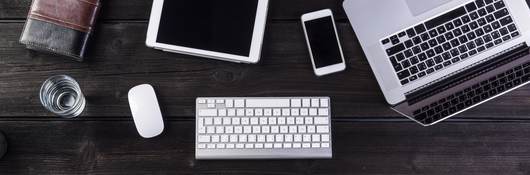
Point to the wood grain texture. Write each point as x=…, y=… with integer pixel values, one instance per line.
x=119, y=60
x=103, y=147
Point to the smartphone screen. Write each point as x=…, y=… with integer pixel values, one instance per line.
x=323, y=42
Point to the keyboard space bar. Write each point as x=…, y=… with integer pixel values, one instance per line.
x=268, y=103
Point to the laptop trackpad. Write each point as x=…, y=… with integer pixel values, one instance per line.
x=418, y=7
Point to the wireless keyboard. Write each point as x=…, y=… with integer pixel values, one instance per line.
x=263, y=128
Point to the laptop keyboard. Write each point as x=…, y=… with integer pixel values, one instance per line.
x=473, y=95
x=449, y=38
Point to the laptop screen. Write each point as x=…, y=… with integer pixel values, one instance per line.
x=212, y=25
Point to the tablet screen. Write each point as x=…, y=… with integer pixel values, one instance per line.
x=213, y=25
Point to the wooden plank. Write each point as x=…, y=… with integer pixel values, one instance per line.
x=56, y=147
x=119, y=60
x=140, y=9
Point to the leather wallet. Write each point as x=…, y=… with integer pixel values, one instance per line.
x=60, y=26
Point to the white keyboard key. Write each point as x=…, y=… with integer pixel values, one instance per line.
x=304, y=112
x=290, y=120
x=261, y=138
x=220, y=146
x=256, y=129
x=308, y=120
x=208, y=112
x=289, y=138
x=258, y=145
x=247, y=129
x=313, y=112
x=204, y=138
x=265, y=129
x=306, y=145
x=220, y=129
x=239, y=103
x=268, y=145
x=254, y=121
x=211, y=101
x=249, y=145
x=296, y=103
x=293, y=129
x=230, y=146
x=323, y=111
x=325, y=145
x=321, y=120
x=233, y=138
x=201, y=101
x=284, y=129
x=268, y=103
x=277, y=112
x=210, y=129
x=325, y=137
x=231, y=112
x=217, y=121
x=219, y=101
x=202, y=130
x=315, y=102
x=208, y=121
x=238, y=129
x=299, y=120
x=275, y=129
x=277, y=145
x=270, y=138
x=267, y=112
x=302, y=129
x=236, y=121
x=298, y=138
x=272, y=120
x=229, y=103
x=324, y=102
x=222, y=112
x=210, y=146
x=240, y=145
x=315, y=138
x=281, y=121
x=249, y=112
x=202, y=146
x=224, y=138
x=211, y=105
x=322, y=129
x=240, y=112
x=242, y=138
x=263, y=120
x=315, y=145
x=287, y=145
x=279, y=138
x=245, y=121
x=286, y=112
x=229, y=129
x=306, y=138
x=227, y=121
x=311, y=129
x=295, y=112
x=251, y=138
x=215, y=138
x=306, y=103
x=297, y=145
x=258, y=112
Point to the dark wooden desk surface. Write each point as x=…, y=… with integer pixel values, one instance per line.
x=369, y=138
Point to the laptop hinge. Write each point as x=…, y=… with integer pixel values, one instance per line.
x=466, y=73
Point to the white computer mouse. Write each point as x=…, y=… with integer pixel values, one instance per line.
x=146, y=111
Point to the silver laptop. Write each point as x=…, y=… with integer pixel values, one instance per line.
x=437, y=58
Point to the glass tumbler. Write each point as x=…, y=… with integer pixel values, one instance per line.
x=62, y=96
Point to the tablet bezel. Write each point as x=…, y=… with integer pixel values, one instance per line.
x=255, y=48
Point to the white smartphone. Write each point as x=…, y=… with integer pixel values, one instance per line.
x=323, y=42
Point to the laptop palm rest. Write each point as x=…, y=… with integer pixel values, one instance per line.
x=468, y=88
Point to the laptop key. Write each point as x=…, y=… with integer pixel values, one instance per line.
x=396, y=49
x=403, y=74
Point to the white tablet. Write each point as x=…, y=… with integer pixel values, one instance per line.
x=228, y=30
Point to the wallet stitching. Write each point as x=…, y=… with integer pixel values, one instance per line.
x=42, y=46
x=63, y=21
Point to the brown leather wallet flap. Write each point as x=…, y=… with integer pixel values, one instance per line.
x=75, y=14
